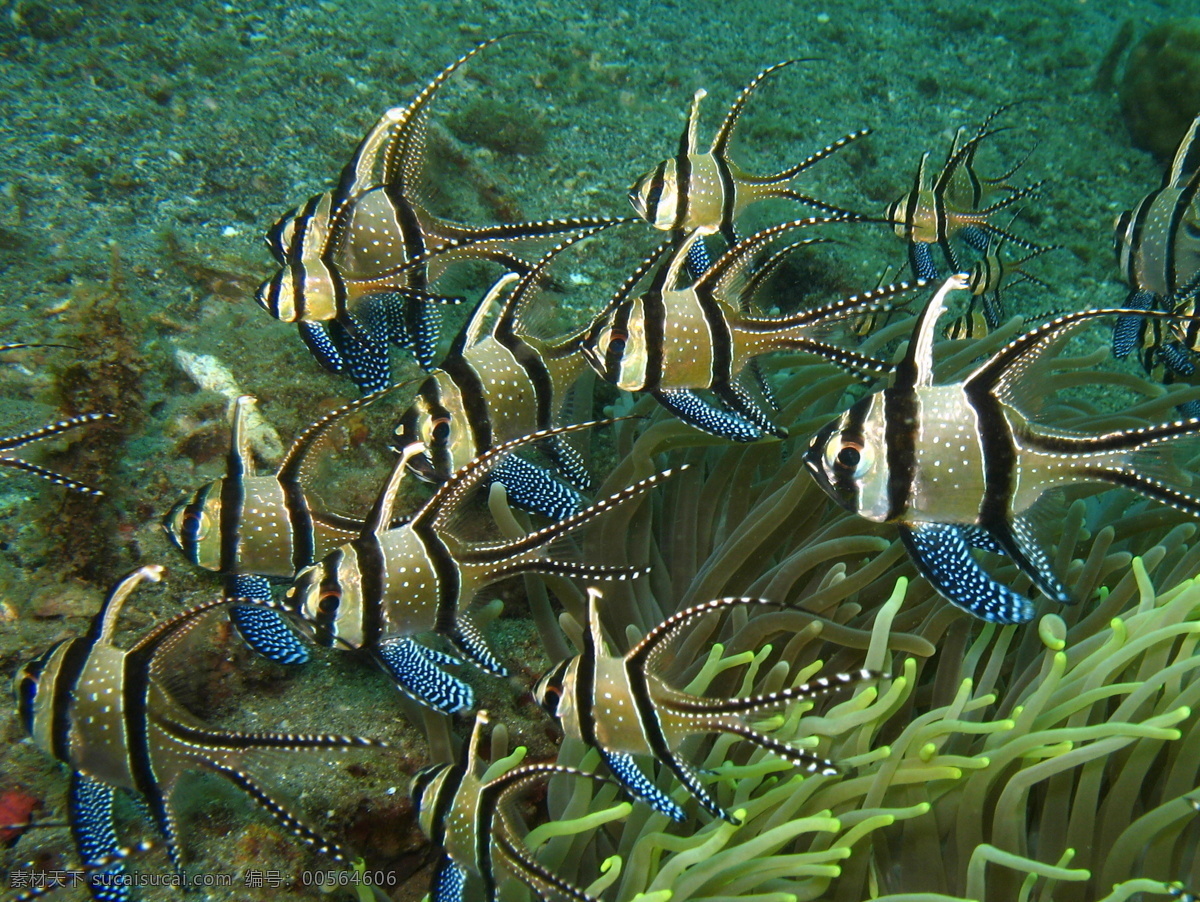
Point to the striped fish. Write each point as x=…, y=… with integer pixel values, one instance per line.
x=621, y=707
x=498, y=384
x=954, y=204
x=357, y=263
x=707, y=192
x=679, y=335
x=464, y=816
x=1158, y=251
x=108, y=715
x=394, y=583
x=252, y=529
x=964, y=465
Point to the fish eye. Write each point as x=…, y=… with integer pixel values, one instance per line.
x=441, y=430
x=849, y=455
x=329, y=601
x=616, y=342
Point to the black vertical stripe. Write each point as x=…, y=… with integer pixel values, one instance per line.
x=728, y=198
x=683, y=190
x=62, y=694
x=720, y=338
x=536, y=372
x=585, y=689
x=449, y=580
x=372, y=566
x=233, y=500
x=300, y=524
x=474, y=400
x=1134, y=251
x=901, y=409
x=999, y=458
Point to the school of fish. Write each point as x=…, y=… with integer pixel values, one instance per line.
x=960, y=467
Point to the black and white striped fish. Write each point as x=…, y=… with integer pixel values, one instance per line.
x=466, y=818
x=392, y=584
x=357, y=264
x=706, y=192
x=1158, y=251
x=963, y=465
x=621, y=707
x=955, y=205
x=252, y=529
x=108, y=715
x=679, y=335
x=500, y=382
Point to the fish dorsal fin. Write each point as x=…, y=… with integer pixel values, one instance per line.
x=599, y=648
x=728, y=271
x=678, y=261
x=240, y=463
x=167, y=635
x=959, y=157
x=483, y=312
x=294, y=467
x=379, y=518
x=627, y=288
x=916, y=369
x=687, y=141
x=652, y=645
x=1004, y=374
x=720, y=145
x=1187, y=158
x=520, y=314
x=375, y=159
x=105, y=621
x=473, y=763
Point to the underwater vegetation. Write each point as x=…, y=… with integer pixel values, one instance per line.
x=769, y=698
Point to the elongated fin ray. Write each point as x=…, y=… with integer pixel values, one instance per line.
x=916, y=369
x=720, y=145
x=481, y=552
x=449, y=496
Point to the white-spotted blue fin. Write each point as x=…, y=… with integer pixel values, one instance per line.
x=638, y=785
x=695, y=411
x=467, y=638
x=449, y=883
x=533, y=488
x=90, y=805
x=415, y=668
x=263, y=629
x=942, y=556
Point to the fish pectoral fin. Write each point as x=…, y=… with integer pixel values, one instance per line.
x=449, y=883
x=941, y=555
x=90, y=805
x=695, y=411
x=415, y=669
x=267, y=631
x=638, y=785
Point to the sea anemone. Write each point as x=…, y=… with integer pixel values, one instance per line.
x=1050, y=759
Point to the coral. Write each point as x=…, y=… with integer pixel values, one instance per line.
x=1160, y=92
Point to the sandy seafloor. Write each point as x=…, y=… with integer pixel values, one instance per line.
x=146, y=146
